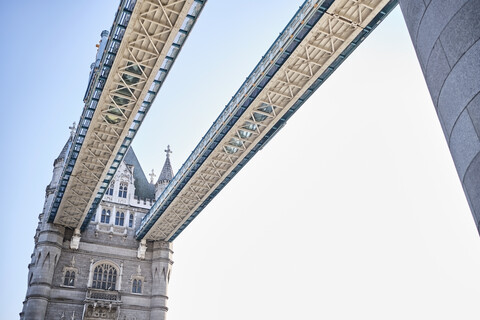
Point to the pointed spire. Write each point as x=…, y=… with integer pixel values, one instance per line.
x=66, y=147
x=72, y=130
x=165, y=176
x=59, y=162
x=168, y=151
x=167, y=172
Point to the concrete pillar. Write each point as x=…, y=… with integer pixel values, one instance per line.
x=46, y=255
x=161, y=269
x=445, y=35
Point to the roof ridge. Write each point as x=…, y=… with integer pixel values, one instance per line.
x=143, y=189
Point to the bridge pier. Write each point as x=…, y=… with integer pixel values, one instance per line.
x=161, y=270
x=41, y=272
x=446, y=36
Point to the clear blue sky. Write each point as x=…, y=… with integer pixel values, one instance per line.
x=354, y=210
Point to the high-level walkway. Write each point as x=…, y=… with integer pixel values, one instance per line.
x=132, y=63
x=135, y=57
x=316, y=41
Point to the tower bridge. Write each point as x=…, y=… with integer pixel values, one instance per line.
x=131, y=65
x=314, y=43
x=122, y=266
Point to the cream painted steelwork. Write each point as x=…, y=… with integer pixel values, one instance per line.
x=149, y=42
x=341, y=23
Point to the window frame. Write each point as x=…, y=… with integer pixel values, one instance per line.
x=131, y=220
x=105, y=276
x=138, y=283
x=110, y=188
x=122, y=190
x=105, y=217
x=67, y=277
x=119, y=218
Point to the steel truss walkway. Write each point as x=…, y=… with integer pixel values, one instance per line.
x=316, y=41
x=144, y=41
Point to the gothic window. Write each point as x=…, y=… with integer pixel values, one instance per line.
x=130, y=221
x=69, y=279
x=94, y=215
x=137, y=286
x=104, y=277
x=122, y=191
x=119, y=218
x=110, y=189
x=69, y=274
x=105, y=218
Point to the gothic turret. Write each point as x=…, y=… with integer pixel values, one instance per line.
x=59, y=162
x=92, y=273
x=165, y=176
x=48, y=248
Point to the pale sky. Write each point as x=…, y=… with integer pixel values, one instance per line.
x=353, y=211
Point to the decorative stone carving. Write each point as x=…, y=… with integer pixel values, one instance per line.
x=164, y=244
x=104, y=312
x=75, y=242
x=142, y=248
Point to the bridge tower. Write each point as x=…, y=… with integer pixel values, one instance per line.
x=102, y=272
x=105, y=261
x=446, y=36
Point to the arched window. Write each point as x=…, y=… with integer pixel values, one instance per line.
x=104, y=277
x=122, y=191
x=110, y=189
x=105, y=218
x=69, y=279
x=137, y=286
x=130, y=221
x=94, y=215
x=119, y=218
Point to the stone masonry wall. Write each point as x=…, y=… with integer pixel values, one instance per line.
x=445, y=35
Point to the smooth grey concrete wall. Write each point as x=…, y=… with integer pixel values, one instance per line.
x=445, y=35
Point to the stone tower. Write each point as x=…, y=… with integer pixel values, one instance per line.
x=445, y=35
x=102, y=272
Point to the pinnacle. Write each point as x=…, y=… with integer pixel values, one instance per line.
x=167, y=172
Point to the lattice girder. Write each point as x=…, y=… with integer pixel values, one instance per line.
x=342, y=22
x=148, y=37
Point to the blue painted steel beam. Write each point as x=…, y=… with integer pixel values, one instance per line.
x=94, y=91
